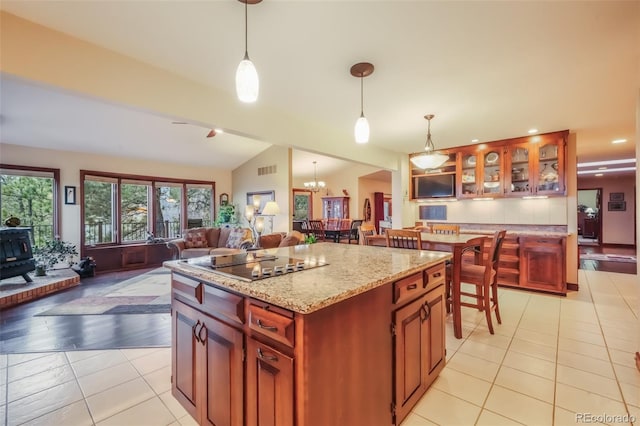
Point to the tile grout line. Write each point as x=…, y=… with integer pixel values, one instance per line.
x=84, y=397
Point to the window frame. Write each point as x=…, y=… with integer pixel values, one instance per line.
x=153, y=181
x=57, y=202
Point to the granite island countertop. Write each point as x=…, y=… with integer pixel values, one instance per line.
x=350, y=270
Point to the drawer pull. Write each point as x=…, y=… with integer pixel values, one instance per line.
x=412, y=286
x=195, y=334
x=437, y=274
x=206, y=332
x=266, y=327
x=261, y=355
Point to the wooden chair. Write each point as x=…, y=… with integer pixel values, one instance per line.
x=404, y=238
x=424, y=228
x=443, y=228
x=364, y=231
x=352, y=232
x=316, y=228
x=484, y=276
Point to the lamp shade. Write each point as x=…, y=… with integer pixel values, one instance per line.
x=271, y=209
x=247, y=82
x=429, y=160
x=361, y=130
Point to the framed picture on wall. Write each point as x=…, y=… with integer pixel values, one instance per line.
x=260, y=198
x=616, y=196
x=69, y=194
x=617, y=206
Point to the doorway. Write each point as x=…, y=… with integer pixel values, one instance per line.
x=590, y=216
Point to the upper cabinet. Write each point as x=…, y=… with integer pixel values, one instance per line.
x=517, y=167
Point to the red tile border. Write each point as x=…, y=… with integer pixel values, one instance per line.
x=31, y=293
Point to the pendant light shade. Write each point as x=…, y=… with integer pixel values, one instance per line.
x=430, y=159
x=361, y=130
x=247, y=81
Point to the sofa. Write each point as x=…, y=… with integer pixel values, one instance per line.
x=197, y=242
x=281, y=239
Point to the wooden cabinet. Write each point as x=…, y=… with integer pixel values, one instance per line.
x=128, y=256
x=419, y=338
x=590, y=228
x=335, y=207
x=536, y=165
x=542, y=264
x=207, y=367
x=516, y=167
x=434, y=183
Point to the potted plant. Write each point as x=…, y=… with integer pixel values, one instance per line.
x=51, y=253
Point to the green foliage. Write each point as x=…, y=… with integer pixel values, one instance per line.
x=53, y=252
x=310, y=239
x=226, y=214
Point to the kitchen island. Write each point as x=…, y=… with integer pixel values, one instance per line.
x=355, y=341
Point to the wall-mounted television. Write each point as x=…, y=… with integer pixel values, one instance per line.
x=434, y=186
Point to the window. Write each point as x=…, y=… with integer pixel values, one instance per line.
x=120, y=209
x=30, y=194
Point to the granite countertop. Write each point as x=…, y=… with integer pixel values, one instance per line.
x=351, y=270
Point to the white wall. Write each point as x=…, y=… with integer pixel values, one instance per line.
x=70, y=164
x=246, y=179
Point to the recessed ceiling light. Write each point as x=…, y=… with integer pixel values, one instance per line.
x=218, y=130
x=532, y=131
x=602, y=168
x=599, y=174
x=618, y=141
x=607, y=163
x=474, y=140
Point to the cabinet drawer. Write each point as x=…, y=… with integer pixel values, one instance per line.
x=408, y=288
x=263, y=320
x=223, y=304
x=434, y=276
x=187, y=289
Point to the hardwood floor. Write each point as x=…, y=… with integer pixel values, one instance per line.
x=605, y=266
x=21, y=330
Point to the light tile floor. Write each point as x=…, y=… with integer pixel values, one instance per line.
x=552, y=358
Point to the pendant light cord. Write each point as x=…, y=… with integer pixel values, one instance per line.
x=361, y=96
x=246, y=31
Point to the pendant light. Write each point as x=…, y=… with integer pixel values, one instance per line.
x=361, y=130
x=430, y=159
x=247, y=82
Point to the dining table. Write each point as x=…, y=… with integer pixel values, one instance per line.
x=456, y=244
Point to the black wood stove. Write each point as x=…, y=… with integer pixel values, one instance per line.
x=16, y=257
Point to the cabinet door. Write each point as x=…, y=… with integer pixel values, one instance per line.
x=185, y=322
x=469, y=177
x=221, y=373
x=518, y=170
x=412, y=356
x=436, y=333
x=542, y=264
x=269, y=386
x=492, y=172
x=550, y=167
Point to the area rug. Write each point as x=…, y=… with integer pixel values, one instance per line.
x=608, y=257
x=148, y=293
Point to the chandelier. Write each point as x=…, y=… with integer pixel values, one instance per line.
x=430, y=159
x=316, y=185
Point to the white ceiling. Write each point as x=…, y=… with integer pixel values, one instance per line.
x=488, y=70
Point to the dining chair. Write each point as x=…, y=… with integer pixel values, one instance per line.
x=483, y=275
x=365, y=230
x=403, y=238
x=442, y=228
x=423, y=228
x=316, y=228
x=351, y=232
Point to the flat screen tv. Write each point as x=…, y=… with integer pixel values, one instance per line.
x=434, y=186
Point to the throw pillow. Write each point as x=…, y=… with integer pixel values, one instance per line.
x=236, y=237
x=195, y=238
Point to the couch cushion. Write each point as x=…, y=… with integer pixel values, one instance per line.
x=195, y=238
x=270, y=240
x=223, y=250
x=194, y=252
x=213, y=237
x=224, y=236
x=237, y=237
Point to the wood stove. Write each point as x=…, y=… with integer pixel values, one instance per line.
x=16, y=257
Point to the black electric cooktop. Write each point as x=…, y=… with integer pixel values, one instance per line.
x=254, y=265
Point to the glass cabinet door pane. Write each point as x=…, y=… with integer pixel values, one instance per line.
x=548, y=166
x=491, y=172
x=468, y=177
x=520, y=169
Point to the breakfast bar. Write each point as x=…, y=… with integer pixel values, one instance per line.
x=307, y=335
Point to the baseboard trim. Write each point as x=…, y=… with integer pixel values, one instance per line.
x=638, y=360
x=573, y=287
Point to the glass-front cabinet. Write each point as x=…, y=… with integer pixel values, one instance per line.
x=536, y=167
x=335, y=207
x=492, y=172
x=469, y=177
x=480, y=173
